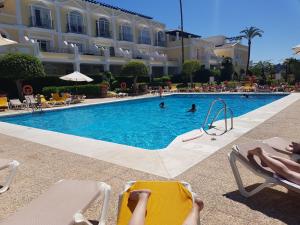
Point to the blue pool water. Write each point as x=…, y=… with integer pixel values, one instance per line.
x=139, y=123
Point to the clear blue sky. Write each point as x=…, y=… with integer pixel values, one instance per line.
x=280, y=19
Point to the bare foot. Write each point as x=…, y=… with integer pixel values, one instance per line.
x=139, y=194
x=294, y=147
x=253, y=152
x=257, y=152
x=199, y=204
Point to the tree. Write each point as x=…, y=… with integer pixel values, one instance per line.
x=135, y=69
x=189, y=69
x=226, y=69
x=19, y=66
x=249, y=33
x=294, y=67
x=263, y=70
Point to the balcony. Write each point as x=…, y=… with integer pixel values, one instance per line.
x=76, y=29
x=145, y=41
x=40, y=23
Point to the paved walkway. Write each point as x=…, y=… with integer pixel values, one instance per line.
x=212, y=178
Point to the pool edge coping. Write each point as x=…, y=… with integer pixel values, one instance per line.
x=164, y=163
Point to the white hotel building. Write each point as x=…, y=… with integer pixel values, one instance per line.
x=92, y=37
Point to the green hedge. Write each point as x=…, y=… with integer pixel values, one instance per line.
x=90, y=90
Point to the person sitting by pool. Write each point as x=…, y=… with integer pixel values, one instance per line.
x=193, y=109
x=139, y=214
x=162, y=105
x=285, y=168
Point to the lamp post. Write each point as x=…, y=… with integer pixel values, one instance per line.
x=182, y=41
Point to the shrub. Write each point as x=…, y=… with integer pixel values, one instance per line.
x=135, y=69
x=90, y=90
x=18, y=67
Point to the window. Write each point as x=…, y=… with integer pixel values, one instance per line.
x=41, y=17
x=126, y=33
x=75, y=23
x=145, y=36
x=103, y=28
x=44, y=45
x=160, y=38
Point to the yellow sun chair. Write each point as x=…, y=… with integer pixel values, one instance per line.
x=3, y=103
x=57, y=99
x=170, y=202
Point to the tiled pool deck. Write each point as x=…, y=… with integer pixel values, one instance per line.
x=212, y=178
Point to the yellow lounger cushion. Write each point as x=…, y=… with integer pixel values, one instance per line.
x=3, y=102
x=169, y=203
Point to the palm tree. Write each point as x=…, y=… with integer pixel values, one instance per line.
x=249, y=33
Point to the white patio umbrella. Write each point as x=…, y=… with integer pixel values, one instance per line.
x=296, y=49
x=76, y=77
x=5, y=41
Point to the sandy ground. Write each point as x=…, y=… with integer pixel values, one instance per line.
x=212, y=178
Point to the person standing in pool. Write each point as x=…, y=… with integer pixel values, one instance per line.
x=193, y=109
x=162, y=105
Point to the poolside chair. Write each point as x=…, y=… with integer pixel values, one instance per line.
x=12, y=166
x=16, y=104
x=3, y=103
x=30, y=101
x=169, y=204
x=239, y=153
x=63, y=204
x=58, y=99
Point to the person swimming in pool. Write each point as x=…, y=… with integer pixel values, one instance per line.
x=193, y=109
x=245, y=95
x=162, y=105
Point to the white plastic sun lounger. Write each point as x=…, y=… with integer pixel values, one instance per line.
x=63, y=204
x=12, y=166
x=239, y=153
x=16, y=104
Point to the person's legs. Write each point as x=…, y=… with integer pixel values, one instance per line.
x=294, y=166
x=276, y=165
x=194, y=216
x=139, y=213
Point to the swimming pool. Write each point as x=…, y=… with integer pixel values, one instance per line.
x=139, y=123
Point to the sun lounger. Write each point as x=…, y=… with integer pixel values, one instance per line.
x=239, y=153
x=12, y=166
x=169, y=203
x=30, y=101
x=3, y=103
x=63, y=204
x=121, y=95
x=16, y=104
x=60, y=100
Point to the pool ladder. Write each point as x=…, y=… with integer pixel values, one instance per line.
x=224, y=109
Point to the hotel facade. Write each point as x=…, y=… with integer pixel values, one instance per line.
x=93, y=37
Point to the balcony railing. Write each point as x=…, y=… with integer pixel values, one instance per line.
x=145, y=41
x=57, y=50
x=127, y=37
x=77, y=29
x=41, y=23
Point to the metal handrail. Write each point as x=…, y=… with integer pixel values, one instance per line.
x=225, y=109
